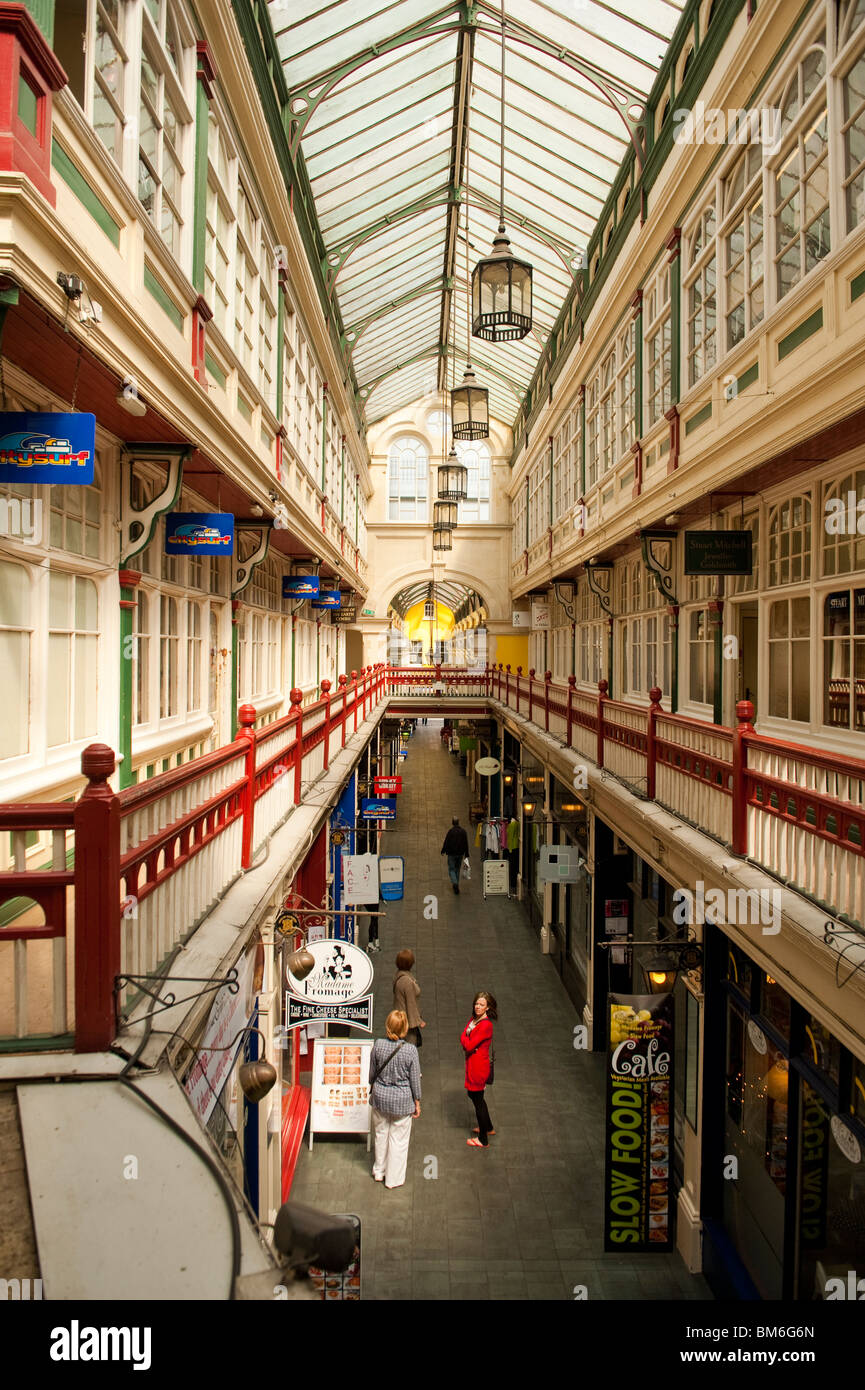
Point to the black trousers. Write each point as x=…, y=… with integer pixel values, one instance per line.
x=485, y=1124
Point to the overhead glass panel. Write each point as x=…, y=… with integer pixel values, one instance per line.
x=380, y=99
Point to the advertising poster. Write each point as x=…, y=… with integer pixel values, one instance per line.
x=378, y=808
x=199, y=533
x=47, y=448
x=359, y=879
x=637, y=1192
x=340, y=1086
x=229, y=1014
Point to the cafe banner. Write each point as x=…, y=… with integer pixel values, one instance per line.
x=637, y=1189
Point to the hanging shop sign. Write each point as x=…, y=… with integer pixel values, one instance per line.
x=637, y=1187
x=718, y=552
x=327, y=598
x=342, y=974
x=359, y=878
x=814, y=1166
x=520, y=618
x=378, y=808
x=540, y=615
x=47, y=448
x=386, y=785
x=468, y=743
x=487, y=767
x=403, y=752
x=346, y=613
x=229, y=1013
x=392, y=871
x=357, y=1014
x=846, y=1139
x=299, y=585
x=199, y=533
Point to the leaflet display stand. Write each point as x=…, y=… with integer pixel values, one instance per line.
x=496, y=881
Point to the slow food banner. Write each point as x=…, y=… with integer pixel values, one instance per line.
x=637, y=1188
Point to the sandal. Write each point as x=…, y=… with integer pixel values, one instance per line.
x=477, y=1131
x=476, y=1144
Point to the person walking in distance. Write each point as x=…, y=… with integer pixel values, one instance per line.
x=456, y=847
x=476, y=1041
x=394, y=1072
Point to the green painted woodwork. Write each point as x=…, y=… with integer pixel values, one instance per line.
x=638, y=370
x=155, y=288
x=43, y=1042
x=43, y=13
x=280, y=353
x=28, y=106
x=215, y=370
x=244, y=407
x=695, y=421
x=749, y=375
x=675, y=329
x=74, y=179
x=124, y=735
x=199, y=211
x=583, y=445
x=342, y=489
x=857, y=286
x=800, y=334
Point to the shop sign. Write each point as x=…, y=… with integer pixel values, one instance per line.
x=468, y=744
x=229, y=1014
x=342, y=974
x=358, y=1014
x=47, y=447
x=359, y=879
x=520, y=618
x=346, y=613
x=540, y=615
x=815, y=1170
x=846, y=1140
x=378, y=808
x=339, y=1090
x=199, y=533
x=637, y=1186
x=386, y=784
x=403, y=752
x=299, y=585
x=327, y=598
x=718, y=552
x=392, y=877
x=757, y=1037
x=487, y=767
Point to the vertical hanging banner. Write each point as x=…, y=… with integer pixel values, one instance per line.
x=359, y=879
x=637, y=1193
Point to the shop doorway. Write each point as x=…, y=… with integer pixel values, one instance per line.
x=746, y=677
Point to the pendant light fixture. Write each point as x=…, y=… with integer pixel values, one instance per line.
x=470, y=403
x=442, y=537
x=501, y=283
x=453, y=476
x=445, y=514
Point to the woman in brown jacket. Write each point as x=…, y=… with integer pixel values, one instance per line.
x=406, y=993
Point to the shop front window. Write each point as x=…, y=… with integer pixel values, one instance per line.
x=844, y=659
x=831, y=1203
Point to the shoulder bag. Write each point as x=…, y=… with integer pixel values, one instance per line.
x=385, y=1065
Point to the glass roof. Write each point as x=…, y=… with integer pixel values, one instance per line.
x=381, y=98
x=450, y=592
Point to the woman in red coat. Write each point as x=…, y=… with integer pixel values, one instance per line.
x=476, y=1040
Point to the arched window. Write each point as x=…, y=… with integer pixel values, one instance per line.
x=800, y=178
x=408, y=480
x=844, y=530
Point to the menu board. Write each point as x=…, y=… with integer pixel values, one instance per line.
x=638, y=1195
x=345, y=1286
x=340, y=1086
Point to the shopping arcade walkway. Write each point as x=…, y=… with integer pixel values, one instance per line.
x=524, y=1219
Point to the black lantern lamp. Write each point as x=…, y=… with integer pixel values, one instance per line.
x=445, y=514
x=528, y=805
x=662, y=968
x=453, y=479
x=442, y=537
x=501, y=282
x=470, y=408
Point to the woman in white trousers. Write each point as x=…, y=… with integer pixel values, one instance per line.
x=395, y=1096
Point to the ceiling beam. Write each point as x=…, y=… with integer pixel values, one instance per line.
x=459, y=146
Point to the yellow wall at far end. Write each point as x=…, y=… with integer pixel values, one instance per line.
x=511, y=649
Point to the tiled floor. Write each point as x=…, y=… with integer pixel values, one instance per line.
x=522, y=1220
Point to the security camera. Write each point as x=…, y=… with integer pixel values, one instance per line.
x=311, y=1237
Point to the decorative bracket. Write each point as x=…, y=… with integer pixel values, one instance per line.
x=600, y=577
x=169, y=1002
x=241, y=570
x=138, y=525
x=566, y=594
x=658, y=558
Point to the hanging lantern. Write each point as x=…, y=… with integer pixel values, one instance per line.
x=470, y=409
x=445, y=514
x=501, y=294
x=442, y=537
x=501, y=283
x=453, y=479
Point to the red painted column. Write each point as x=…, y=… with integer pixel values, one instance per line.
x=354, y=689
x=343, y=687
x=572, y=680
x=508, y=685
x=325, y=690
x=651, y=748
x=246, y=732
x=97, y=902
x=602, y=695
x=201, y=316
x=548, y=676
x=296, y=713
x=531, y=689
x=745, y=716
x=26, y=61
x=519, y=674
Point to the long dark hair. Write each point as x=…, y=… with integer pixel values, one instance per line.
x=492, y=1006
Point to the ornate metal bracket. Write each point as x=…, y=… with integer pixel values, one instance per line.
x=138, y=525
x=242, y=570
x=566, y=593
x=600, y=577
x=854, y=936
x=170, y=1001
x=657, y=549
